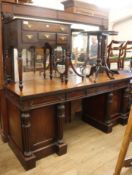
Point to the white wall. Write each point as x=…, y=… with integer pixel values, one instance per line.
x=121, y=20
x=124, y=28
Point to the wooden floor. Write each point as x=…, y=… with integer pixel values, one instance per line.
x=90, y=152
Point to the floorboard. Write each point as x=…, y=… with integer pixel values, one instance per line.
x=90, y=152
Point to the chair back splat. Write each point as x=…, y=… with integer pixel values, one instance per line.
x=127, y=54
x=115, y=53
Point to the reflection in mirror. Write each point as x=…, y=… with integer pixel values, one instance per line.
x=46, y=61
x=82, y=55
x=92, y=49
x=60, y=57
x=39, y=52
x=79, y=48
x=33, y=59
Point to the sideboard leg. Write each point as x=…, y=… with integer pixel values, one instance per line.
x=29, y=157
x=61, y=146
x=124, y=107
x=108, y=112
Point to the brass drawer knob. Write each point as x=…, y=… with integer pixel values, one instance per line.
x=47, y=25
x=63, y=38
x=62, y=28
x=29, y=36
x=29, y=26
x=47, y=36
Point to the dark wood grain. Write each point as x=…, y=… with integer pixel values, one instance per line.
x=1, y=52
x=3, y=116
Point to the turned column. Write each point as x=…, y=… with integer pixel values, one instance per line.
x=108, y=112
x=124, y=106
x=67, y=66
x=26, y=127
x=61, y=146
x=20, y=64
x=29, y=159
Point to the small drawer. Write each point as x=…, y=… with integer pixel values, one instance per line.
x=63, y=28
x=62, y=38
x=47, y=100
x=29, y=37
x=76, y=94
x=39, y=26
x=91, y=91
x=47, y=36
x=28, y=25
x=103, y=88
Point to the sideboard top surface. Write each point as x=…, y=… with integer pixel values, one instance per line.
x=37, y=86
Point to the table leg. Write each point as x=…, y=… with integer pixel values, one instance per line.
x=20, y=69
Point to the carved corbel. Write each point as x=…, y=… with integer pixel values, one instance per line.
x=7, y=17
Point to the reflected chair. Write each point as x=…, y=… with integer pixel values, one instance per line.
x=127, y=54
x=115, y=53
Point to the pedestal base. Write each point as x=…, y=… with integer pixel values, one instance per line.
x=99, y=68
x=107, y=128
x=61, y=149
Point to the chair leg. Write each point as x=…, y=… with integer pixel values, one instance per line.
x=118, y=65
x=108, y=63
x=122, y=64
x=124, y=147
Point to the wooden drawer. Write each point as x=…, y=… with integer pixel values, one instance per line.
x=47, y=100
x=29, y=37
x=44, y=26
x=62, y=38
x=63, y=28
x=76, y=94
x=47, y=36
x=39, y=26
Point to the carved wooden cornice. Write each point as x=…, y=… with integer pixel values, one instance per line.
x=77, y=6
x=45, y=13
x=24, y=1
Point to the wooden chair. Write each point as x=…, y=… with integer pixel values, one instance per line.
x=115, y=53
x=127, y=54
x=122, y=162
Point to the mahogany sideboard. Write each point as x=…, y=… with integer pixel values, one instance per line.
x=35, y=116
